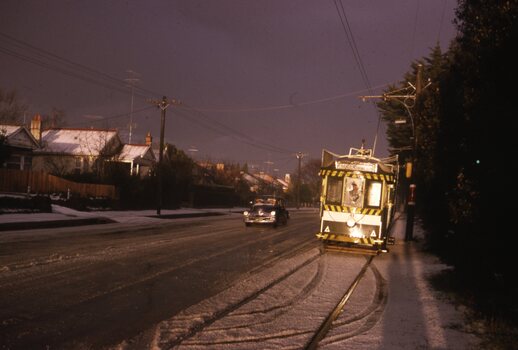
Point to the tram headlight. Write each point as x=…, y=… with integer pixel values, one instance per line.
x=356, y=232
x=350, y=223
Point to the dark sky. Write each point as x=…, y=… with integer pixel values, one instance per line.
x=258, y=80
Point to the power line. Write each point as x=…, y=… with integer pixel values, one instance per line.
x=352, y=43
x=412, y=43
x=230, y=109
x=356, y=53
x=206, y=122
x=117, y=116
x=441, y=21
x=43, y=58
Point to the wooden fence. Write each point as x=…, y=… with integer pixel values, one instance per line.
x=25, y=181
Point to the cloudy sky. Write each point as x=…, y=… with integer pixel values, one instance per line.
x=258, y=81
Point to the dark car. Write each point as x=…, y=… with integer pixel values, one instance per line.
x=268, y=210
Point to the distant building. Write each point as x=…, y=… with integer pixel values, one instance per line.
x=263, y=183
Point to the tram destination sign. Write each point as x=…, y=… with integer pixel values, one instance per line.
x=356, y=166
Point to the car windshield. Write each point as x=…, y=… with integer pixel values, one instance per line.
x=265, y=208
x=270, y=201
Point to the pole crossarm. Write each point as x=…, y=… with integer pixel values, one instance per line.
x=386, y=97
x=164, y=102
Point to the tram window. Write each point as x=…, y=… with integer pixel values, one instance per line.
x=374, y=194
x=334, y=190
x=354, y=192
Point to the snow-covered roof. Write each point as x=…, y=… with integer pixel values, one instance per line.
x=9, y=129
x=282, y=182
x=250, y=179
x=18, y=136
x=77, y=141
x=132, y=152
x=265, y=177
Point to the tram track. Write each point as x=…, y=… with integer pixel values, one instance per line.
x=208, y=320
x=328, y=323
x=347, y=327
x=231, y=327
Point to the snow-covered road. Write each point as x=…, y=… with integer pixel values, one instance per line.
x=279, y=305
x=393, y=307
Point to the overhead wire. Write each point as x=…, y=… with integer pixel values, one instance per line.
x=357, y=57
x=113, y=117
x=441, y=22
x=195, y=116
x=43, y=58
x=412, y=42
x=352, y=43
x=286, y=106
x=29, y=53
x=48, y=60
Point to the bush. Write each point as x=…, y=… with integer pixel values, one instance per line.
x=29, y=204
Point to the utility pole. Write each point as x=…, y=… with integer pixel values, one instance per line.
x=162, y=104
x=410, y=209
x=404, y=98
x=299, y=157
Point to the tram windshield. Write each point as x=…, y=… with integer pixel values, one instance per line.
x=334, y=190
x=374, y=194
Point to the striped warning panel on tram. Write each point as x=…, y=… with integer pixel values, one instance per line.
x=369, y=176
x=341, y=209
x=338, y=173
x=343, y=238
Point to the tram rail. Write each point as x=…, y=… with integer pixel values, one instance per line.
x=338, y=309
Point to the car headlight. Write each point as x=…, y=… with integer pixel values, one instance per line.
x=273, y=213
x=246, y=213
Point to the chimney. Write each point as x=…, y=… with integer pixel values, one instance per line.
x=36, y=127
x=149, y=139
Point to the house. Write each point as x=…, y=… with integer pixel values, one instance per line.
x=61, y=151
x=139, y=157
x=19, y=145
x=70, y=150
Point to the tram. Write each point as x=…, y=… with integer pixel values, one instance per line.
x=357, y=201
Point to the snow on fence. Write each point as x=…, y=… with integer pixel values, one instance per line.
x=27, y=181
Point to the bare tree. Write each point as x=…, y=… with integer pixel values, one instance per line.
x=55, y=119
x=11, y=109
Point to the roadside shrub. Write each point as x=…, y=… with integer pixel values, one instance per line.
x=29, y=204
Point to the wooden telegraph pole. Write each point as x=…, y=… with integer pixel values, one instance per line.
x=162, y=104
x=300, y=155
x=403, y=98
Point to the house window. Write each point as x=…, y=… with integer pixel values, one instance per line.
x=86, y=165
x=14, y=162
x=79, y=165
